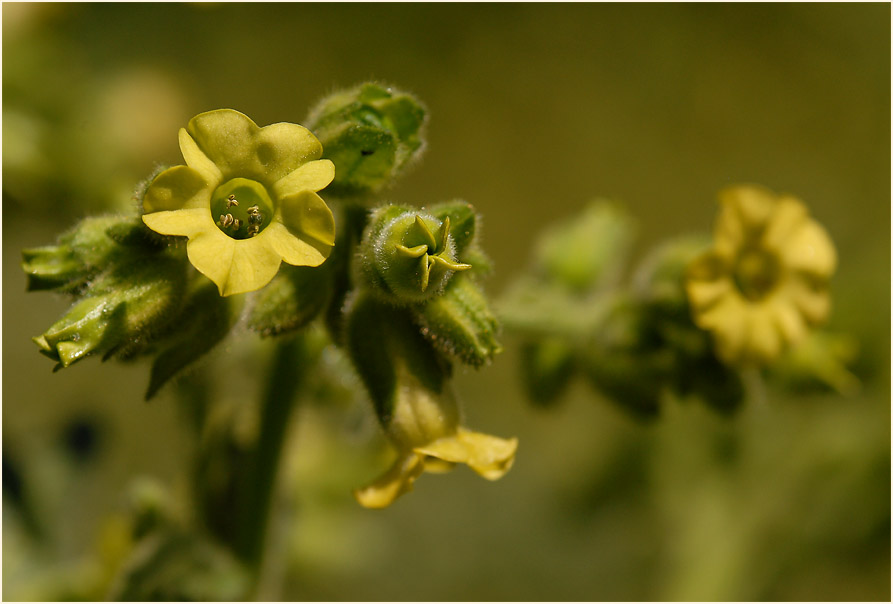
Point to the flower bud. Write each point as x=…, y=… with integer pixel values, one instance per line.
x=587, y=251
x=460, y=323
x=295, y=296
x=407, y=381
x=81, y=253
x=406, y=255
x=370, y=133
x=124, y=308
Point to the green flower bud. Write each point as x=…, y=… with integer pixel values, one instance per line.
x=295, y=296
x=125, y=308
x=464, y=222
x=459, y=323
x=380, y=337
x=587, y=251
x=82, y=252
x=370, y=133
x=547, y=366
x=407, y=381
x=407, y=255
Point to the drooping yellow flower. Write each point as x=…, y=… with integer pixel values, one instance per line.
x=766, y=279
x=424, y=426
x=246, y=199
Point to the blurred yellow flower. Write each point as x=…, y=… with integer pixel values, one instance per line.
x=425, y=429
x=246, y=199
x=766, y=278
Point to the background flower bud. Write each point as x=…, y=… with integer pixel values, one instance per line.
x=588, y=251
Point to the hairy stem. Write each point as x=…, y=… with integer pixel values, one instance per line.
x=286, y=372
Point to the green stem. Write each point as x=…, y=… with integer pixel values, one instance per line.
x=277, y=406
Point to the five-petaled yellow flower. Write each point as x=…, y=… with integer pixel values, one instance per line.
x=766, y=278
x=424, y=427
x=246, y=199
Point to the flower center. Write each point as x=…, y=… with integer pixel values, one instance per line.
x=242, y=208
x=756, y=273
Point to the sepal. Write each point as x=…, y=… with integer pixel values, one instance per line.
x=460, y=323
x=295, y=296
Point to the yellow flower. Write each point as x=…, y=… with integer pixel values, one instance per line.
x=246, y=199
x=766, y=278
x=424, y=426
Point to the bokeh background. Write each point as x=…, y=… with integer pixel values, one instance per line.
x=534, y=110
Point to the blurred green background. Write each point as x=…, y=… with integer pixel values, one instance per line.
x=534, y=110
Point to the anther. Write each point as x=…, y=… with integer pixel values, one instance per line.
x=231, y=201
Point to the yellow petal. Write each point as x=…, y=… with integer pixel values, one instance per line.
x=811, y=299
x=292, y=249
x=392, y=484
x=789, y=215
x=312, y=176
x=240, y=149
x=308, y=216
x=491, y=457
x=184, y=223
x=177, y=188
x=234, y=266
x=752, y=204
x=788, y=319
x=763, y=341
x=810, y=250
x=197, y=160
x=704, y=294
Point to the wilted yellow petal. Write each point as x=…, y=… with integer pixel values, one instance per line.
x=490, y=457
x=396, y=481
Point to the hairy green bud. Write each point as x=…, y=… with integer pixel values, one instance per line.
x=407, y=255
x=124, y=308
x=387, y=348
x=459, y=323
x=295, y=296
x=371, y=133
x=83, y=252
